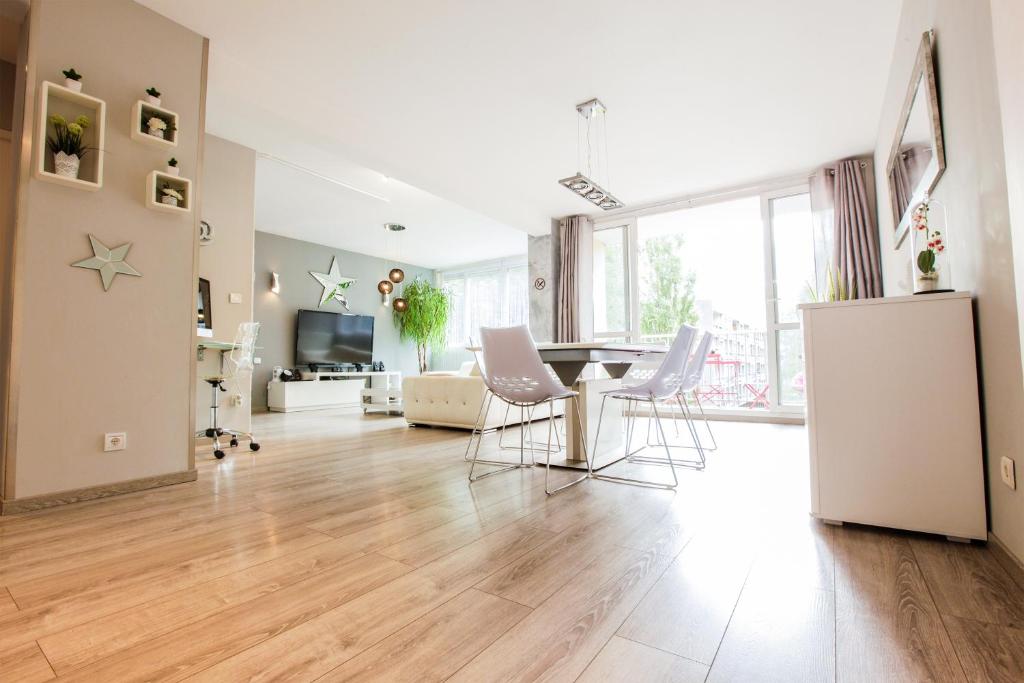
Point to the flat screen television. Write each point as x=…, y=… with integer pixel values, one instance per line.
x=325, y=338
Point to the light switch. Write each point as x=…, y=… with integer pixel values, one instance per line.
x=234, y=298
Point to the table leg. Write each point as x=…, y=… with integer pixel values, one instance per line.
x=610, y=449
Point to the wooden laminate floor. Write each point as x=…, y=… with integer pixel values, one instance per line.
x=353, y=548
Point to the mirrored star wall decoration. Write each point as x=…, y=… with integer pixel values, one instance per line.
x=109, y=262
x=334, y=284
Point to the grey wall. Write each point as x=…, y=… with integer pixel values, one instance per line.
x=542, y=254
x=228, y=200
x=125, y=354
x=293, y=260
x=974, y=192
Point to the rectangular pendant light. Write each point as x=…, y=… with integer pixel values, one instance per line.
x=585, y=187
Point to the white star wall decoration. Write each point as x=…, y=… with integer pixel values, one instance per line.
x=109, y=262
x=334, y=284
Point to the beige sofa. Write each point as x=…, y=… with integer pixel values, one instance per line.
x=452, y=399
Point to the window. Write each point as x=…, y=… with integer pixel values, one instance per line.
x=738, y=268
x=485, y=295
x=611, y=292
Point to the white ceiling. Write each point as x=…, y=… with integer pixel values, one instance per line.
x=473, y=102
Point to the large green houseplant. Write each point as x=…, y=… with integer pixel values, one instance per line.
x=425, y=319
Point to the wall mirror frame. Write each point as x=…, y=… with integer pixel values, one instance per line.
x=917, y=158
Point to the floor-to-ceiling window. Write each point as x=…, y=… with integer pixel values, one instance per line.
x=492, y=294
x=736, y=268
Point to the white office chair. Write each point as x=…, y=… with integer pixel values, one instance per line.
x=514, y=372
x=663, y=385
x=238, y=364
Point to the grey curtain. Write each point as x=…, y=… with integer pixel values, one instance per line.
x=568, y=313
x=842, y=199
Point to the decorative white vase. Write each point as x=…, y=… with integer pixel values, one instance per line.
x=170, y=201
x=156, y=132
x=155, y=101
x=72, y=84
x=172, y=170
x=66, y=165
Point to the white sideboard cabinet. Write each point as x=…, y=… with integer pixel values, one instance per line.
x=892, y=414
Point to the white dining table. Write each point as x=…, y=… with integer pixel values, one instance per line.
x=569, y=360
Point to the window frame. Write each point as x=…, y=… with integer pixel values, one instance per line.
x=766, y=192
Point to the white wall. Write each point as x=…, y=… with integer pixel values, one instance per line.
x=1007, y=28
x=974, y=191
x=229, y=187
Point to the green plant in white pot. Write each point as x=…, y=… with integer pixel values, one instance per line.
x=67, y=144
x=424, y=319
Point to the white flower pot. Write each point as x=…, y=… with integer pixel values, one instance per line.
x=155, y=101
x=66, y=165
x=172, y=170
x=72, y=84
x=156, y=132
x=928, y=282
x=170, y=201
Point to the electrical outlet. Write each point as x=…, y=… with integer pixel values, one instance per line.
x=234, y=298
x=257, y=360
x=237, y=399
x=1007, y=470
x=115, y=441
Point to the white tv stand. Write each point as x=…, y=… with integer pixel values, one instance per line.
x=371, y=391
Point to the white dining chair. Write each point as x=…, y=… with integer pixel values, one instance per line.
x=691, y=380
x=664, y=384
x=514, y=372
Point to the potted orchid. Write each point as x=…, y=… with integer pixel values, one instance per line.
x=72, y=79
x=170, y=196
x=932, y=246
x=172, y=166
x=153, y=96
x=67, y=144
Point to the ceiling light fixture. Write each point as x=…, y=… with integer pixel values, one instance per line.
x=595, y=114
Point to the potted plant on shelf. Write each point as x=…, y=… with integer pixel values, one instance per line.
x=424, y=318
x=153, y=95
x=172, y=166
x=72, y=79
x=158, y=126
x=66, y=144
x=932, y=246
x=170, y=196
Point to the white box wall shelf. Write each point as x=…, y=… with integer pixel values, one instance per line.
x=56, y=99
x=155, y=182
x=141, y=112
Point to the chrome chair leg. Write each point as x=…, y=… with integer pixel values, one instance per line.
x=547, y=469
x=477, y=426
x=707, y=423
x=675, y=462
x=632, y=480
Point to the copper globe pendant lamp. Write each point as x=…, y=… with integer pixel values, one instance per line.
x=396, y=276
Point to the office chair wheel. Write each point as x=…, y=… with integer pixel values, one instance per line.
x=254, y=446
x=219, y=454
x=234, y=442
x=210, y=433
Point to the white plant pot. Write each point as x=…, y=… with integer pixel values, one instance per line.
x=156, y=132
x=172, y=170
x=928, y=283
x=155, y=101
x=72, y=84
x=66, y=165
x=169, y=201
